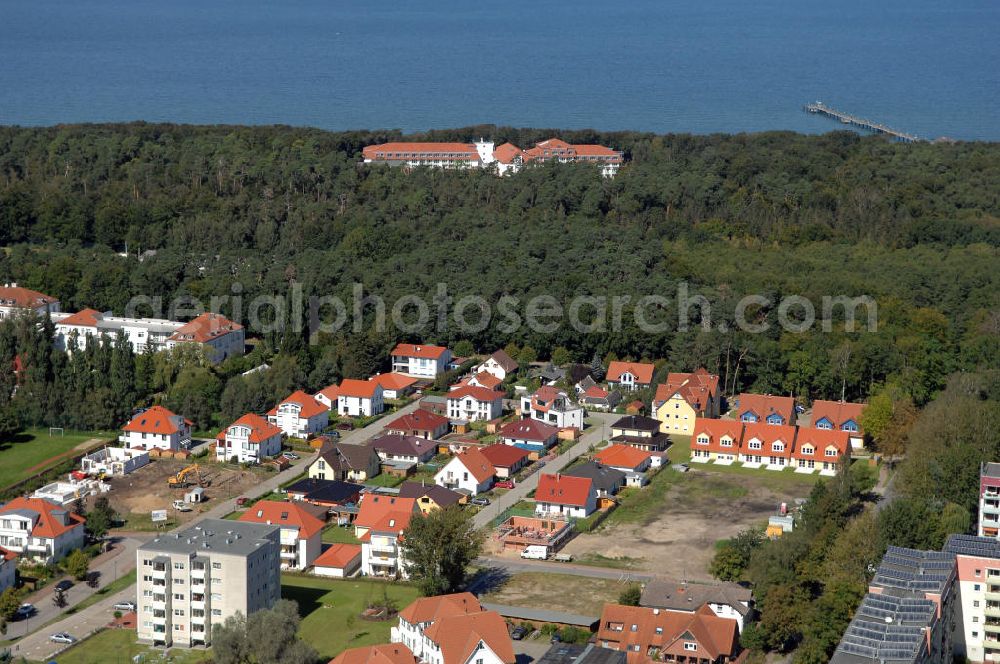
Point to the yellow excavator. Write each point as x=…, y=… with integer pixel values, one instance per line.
x=181, y=481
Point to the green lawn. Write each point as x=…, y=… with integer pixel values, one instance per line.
x=25, y=450
x=337, y=535
x=118, y=646
x=680, y=452
x=331, y=609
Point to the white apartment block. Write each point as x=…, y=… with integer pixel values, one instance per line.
x=188, y=581
x=15, y=299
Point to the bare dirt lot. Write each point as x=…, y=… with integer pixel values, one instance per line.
x=146, y=489
x=556, y=592
x=675, y=532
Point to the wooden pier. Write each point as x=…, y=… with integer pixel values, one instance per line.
x=876, y=127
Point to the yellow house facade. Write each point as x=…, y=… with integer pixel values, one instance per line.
x=684, y=398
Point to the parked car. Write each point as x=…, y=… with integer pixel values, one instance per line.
x=504, y=484
x=518, y=633
x=62, y=637
x=241, y=501
x=479, y=500
x=556, y=638
x=26, y=610
x=291, y=455
x=124, y=606
x=64, y=585
x=535, y=552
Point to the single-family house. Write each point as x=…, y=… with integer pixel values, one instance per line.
x=605, y=481
x=301, y=529
x=157, y=427
x=325, y=493
x=299, y=415
x=411, y=449
x=342, y=461
x=420, y=423
x=481, y=379
x=39, y=529
x=470, y=404
x=766, y=408
x=640, y=432
x=769, y=445
x=424, y=612
x=469, y=472
x=430, y=497
x=596, y=397
x=341, y=561
x=716, y=440
x=359, y=398
x=395, y=385
x=561, y=494
x=552, y=406
x=842, y=416
x=499, y=364
x=250, y=439
x=382, y=653
x=624, y=458
x=630, y=375
x=506, y=460
x=379, y=525
x=420, y=360
x=684, y=398
x=328, y=396
x=726, y=600
x=474, y=638
x=671, y=636
x=820, y=449
x=529, y=434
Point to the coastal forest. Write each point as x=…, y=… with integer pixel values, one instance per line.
x=97, y=214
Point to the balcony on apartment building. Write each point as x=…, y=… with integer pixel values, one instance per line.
x=992, y=592
x=992, y=625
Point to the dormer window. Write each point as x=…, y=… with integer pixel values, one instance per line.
x=703, y=440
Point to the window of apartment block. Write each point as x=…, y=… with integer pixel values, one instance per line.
x=216, y=565
x=216, y=612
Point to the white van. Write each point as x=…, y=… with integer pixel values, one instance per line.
x=535, y=552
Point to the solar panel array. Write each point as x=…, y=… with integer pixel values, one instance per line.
x=970, y=545
x=915, y=571
x=870, y=636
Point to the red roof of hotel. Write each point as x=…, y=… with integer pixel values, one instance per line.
x=383, y=653
x=695, y=388
x=338, y=555
x=393, y=381
x=418, y=420
x=477, y=393
x=156, y=420
x=260, y=428
x=474, y=461
x=821, y=439
x=528, y=429
x=765, y=404
x=622, y=456
x=286, y=514
x=503, y=456
x=590, y=150
x=506, y=153
x=385, y=513
x=642, y=371
x=16, y=296
x=563, y=490
x=204, y=328
x=458, y=637
x=429, y=609
x=768, y=434
x=837, y=412
x=371, y=151
x=84, y=318
x=418, y=350
x=310, y=407
x=47, y=524
x=716, y=430
x=362, y=389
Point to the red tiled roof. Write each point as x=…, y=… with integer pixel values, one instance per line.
x=204, y=328
x=459, y=636
x=563, y=490
x=695, y=388
x=7, y=555
x=503, y=456
x=642, y=371
x=17, y=296
x=715, y=431
x=763, y=405
x=590, y=150
x=383, y=653
x=418, y=420
x=288, y=514
x=393, y=381
x=48, y=525
x=622, y=456
x=474, y=461
x=596, y=392
x=821, y=439
x=487, y=380
x=385, y=513
x=338, y=555
x=528, y=429
x=309, y=406
x=156, y=420
x=418, y=350
x=331, y=392
x=667, y=631
x=506, y=153
x=768, y=434
x=362, y=389
x=438, y=150
x=84, y=318
x=260, y=428
x=429, y=609
x=477, y=393
x=838, y=412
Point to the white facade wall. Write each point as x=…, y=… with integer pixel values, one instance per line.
x=545, y=509
x=455, y=475
x=15, y=536
x=172, y=441
x=361, y=406
x=491, y=366
x=470, y=409
x=287, y=419
x=237, y=443
x=421, y=367
x=383, y=556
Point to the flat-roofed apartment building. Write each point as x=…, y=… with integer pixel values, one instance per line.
x=977, y=616
x=989, y=500
x=188, y=581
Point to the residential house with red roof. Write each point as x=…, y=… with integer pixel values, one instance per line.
x=559, y=494
x=630, y=375
x=301, y=529
x=157, y=427
x=716, y=440
x=474, y=404
x=382, y=653
x=299, y=415
x=506, y=460
x=481, y=379
x=359, y=398
x=820, y=449
x=529, y=434
x=420, y=360
x=552, y=406
x=499, y=364
x=765, y=408
x=40, y=529
x=472, y=638
x=842, y=416
x=470, y=473
x=8, y=569
x=17, y=299
x=684, y=398
x=625, y=458
x=379, y=525
x=328, y=396
x=220, y=337
x=424, y=612
x=649, y=634
x=420, y=423
x=339, y=561
x=768, y=445
x=249, y=439
x=394, y=385
x=596, y=397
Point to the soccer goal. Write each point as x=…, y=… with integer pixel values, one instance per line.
x=56, y=431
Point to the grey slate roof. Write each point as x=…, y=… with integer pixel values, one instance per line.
x=215, y=536
x=604, y=478
x=439, y=494
x=326, y=491
x=682, y=596
x=637, y=422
